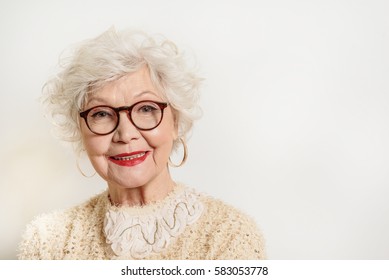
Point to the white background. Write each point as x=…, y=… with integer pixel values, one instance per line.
x=295, y=126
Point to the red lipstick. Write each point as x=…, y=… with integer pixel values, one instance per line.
x=129, y=159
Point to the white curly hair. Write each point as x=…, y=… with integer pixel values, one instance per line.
x=98, y=61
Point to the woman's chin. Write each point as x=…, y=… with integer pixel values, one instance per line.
x=125, y=184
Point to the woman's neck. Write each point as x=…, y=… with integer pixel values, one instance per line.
x=154, y=190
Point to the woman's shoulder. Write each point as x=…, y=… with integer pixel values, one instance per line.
x=53, y=228
x=223, y=210
x=234, y=233
x=60, y=218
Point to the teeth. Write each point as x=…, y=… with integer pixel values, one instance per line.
x=130, y=157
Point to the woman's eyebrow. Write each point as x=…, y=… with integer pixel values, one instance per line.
x=100, y=100
x=96, y=99
x=145, y=92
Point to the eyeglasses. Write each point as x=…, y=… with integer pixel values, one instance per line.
x=144, y=115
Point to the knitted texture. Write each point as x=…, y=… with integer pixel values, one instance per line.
x=221, y=232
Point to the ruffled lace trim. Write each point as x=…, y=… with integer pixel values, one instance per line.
x=138, y=232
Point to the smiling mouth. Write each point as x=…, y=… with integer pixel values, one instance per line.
x=129, y=157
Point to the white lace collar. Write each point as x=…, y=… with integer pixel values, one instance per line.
x=136, y=232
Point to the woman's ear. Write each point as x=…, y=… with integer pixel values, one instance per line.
x=175, y=129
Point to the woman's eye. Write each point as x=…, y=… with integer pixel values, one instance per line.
x=147, y=109
x=101, y=114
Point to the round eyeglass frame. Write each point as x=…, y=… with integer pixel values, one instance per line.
x=117, y=110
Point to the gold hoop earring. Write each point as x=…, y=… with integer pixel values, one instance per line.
x=79, y=169
x=185, y=155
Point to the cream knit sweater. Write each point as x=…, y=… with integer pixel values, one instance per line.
x=199, y=227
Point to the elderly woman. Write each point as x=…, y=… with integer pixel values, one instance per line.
x=128, y=101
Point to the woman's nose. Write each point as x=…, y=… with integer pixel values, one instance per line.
x=126, y=131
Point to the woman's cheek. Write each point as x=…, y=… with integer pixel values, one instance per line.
x=98, y=145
